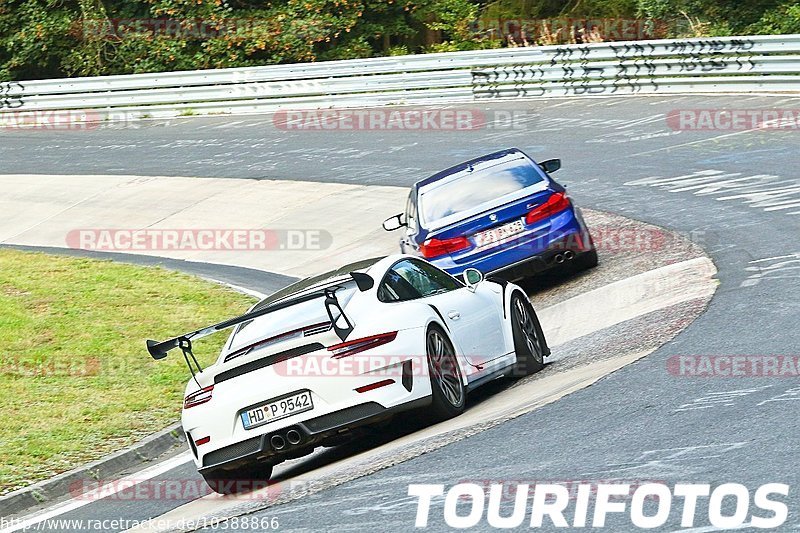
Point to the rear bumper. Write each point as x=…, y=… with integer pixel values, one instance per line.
x=534, y=252
x=334, y=387
x=531, y=266
x=313, y=431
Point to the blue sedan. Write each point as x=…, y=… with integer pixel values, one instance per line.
x=501, y=213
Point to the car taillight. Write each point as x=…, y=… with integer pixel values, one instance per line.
x=436, y=247
x=373, y=386
x=359, y=345
x=196, y=398
x=556, y=203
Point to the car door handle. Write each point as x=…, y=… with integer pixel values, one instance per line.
x=455, y=315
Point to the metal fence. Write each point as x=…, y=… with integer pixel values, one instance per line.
x=731, y=64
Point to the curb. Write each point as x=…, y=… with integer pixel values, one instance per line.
x=57, y=487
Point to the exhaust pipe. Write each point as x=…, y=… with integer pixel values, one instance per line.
x=277, y=442
x=293, y=436
x=569, y=255
x=559, y=259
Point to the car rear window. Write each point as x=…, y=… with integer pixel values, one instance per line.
x=307, y=283
x=449, y=197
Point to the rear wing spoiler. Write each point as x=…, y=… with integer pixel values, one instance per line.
x=341, y=324
x=159, y=350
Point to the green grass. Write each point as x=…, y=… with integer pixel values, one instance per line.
x=76, y=379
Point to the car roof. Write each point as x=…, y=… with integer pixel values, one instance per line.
x=333, y=277
x=496, y=158
x=318, y=281
x=376, y=267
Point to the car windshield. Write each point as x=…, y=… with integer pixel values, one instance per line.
x=443, y=199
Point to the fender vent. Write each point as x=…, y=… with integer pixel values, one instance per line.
x=318, y=329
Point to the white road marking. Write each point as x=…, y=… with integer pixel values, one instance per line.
x=669, y=100
x=639, y=121
x=667, y=460
x=787, y=396
x=717, y=399
x=793, y=256
x=122, y=484
x=780, y=267
x=562, y=104
x=760, y=191
x=701, y=141
x=228, y=125
x=238, y=288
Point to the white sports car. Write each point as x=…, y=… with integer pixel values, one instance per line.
x=349, y=348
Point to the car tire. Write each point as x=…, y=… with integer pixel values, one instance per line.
x=529, y=343
x=240, y=480
x=449, y=396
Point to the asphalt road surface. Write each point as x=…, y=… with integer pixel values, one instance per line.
x=737, y=193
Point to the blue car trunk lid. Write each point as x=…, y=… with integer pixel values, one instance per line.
x=491, y=219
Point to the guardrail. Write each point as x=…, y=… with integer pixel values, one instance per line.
x=730, y=64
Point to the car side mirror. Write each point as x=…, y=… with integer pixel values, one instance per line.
x=472, y=276
x=551, y=165
x=395, y=222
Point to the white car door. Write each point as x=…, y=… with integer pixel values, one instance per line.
x=474, y=318
x=476, y=324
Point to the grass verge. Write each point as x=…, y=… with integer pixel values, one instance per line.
x=76, y=377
